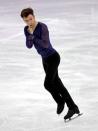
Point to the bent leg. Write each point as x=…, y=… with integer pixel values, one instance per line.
x=50, y=70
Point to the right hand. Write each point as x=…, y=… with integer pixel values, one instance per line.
x=30, y=29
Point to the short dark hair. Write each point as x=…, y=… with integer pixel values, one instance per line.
x=25, y=12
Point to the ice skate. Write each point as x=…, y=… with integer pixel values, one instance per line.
x=60, y=107
x=71, y=112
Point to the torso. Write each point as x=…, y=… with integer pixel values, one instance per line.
x=44, y=52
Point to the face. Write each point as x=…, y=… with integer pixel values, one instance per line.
x=29, y=20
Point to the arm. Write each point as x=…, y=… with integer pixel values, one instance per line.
x=29, y=38
x=44, y=41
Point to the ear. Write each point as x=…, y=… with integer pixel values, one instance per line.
x=34, y=16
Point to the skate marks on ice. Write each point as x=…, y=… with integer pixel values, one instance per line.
x=73, y=117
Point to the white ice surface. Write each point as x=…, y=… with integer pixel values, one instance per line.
x=25, y=105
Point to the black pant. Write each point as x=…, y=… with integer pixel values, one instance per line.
x=53, y=83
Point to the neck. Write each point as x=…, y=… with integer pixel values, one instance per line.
x=35, y=24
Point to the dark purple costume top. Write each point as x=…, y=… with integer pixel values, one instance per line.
x=40, y=40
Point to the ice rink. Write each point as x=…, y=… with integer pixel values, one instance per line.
x=25, y=105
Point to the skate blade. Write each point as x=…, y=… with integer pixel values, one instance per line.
x=72, y=118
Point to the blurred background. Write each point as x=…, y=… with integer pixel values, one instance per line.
x=25, y=105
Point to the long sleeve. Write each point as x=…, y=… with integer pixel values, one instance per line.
x=29, y=38
x=44, y=41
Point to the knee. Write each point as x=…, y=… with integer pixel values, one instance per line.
x=47, y=84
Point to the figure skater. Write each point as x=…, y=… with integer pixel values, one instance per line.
x=37, y=34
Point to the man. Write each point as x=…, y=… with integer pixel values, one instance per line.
x=37, y=34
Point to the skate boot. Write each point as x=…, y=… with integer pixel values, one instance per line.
x=71, y=112
x=60, y=107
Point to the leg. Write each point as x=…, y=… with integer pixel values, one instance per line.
x=65, y=94
x=50, y=69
